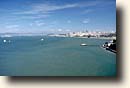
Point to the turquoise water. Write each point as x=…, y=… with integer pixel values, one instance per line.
x=55, y=56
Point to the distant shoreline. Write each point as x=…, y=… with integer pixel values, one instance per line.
x=96, y=38
x=58, y=36
x=91, y=37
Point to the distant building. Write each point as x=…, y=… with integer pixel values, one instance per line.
x=88, y=34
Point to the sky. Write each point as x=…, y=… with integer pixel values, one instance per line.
x=57, y=16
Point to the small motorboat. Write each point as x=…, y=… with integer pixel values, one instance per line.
x=83, y=44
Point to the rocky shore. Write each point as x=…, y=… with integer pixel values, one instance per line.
x=111, y=46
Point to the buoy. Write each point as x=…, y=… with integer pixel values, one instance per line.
x=42, y=39
x=4, y=41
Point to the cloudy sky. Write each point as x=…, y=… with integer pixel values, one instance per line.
x=55, y=16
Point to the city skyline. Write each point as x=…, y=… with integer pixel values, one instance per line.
x=56, y=16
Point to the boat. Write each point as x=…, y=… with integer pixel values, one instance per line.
x=42, y=39
x=83, y=44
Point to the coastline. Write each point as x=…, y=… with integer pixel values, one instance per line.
x=109, y=38
x=96, y=38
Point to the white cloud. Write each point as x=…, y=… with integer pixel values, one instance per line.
x=35, y=16
x=86, y=21
x=12, y=26
x=39, y=23
x=59, y=30
x=49, y=8
x=88, y=11
x=89, y=4
x=67, y=30
x=45, y=8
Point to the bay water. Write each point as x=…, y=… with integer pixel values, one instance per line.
x=55, y=56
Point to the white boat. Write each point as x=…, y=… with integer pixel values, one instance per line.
x=42, y=39
x=83, y=44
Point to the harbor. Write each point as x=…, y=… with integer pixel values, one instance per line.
x=53, y=56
